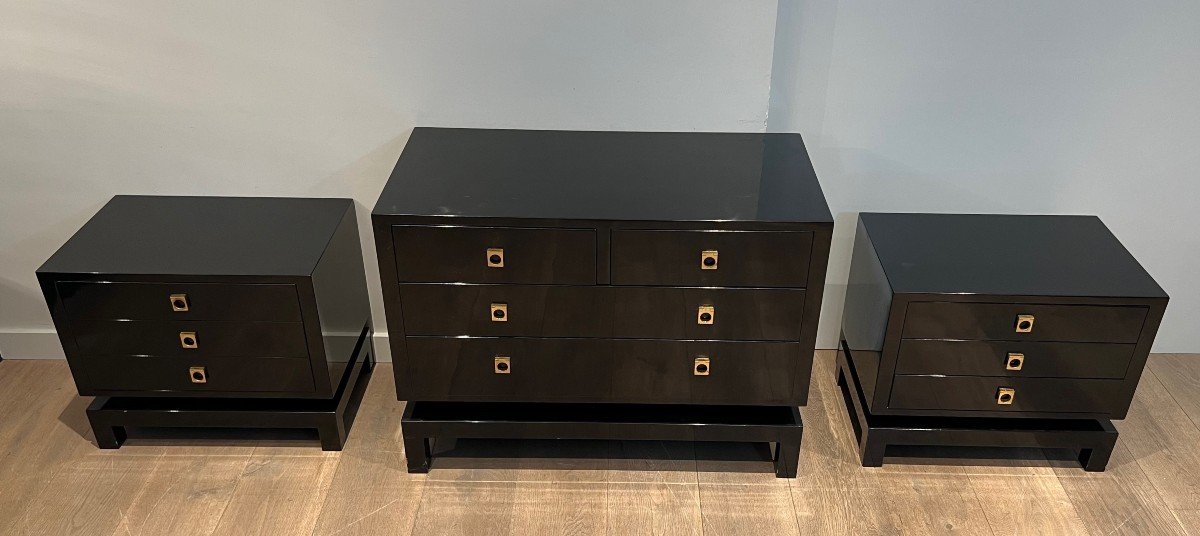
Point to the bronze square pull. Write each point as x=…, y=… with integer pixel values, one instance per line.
x=502, y=364
x=1024, y=323
x=198, y=375
x=499, y=312
x=1005, y=396
x=701, y=367
x=495, y=257
x=708, y=259
x=1014, y=361
x=179, y=302
x=706, y=314
x=187, y=339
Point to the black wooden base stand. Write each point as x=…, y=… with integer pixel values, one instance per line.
x=1093, y=439
x=332, y=419
x=425, y=421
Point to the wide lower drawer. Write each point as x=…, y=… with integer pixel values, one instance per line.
x=183, y=374
x=190, y=339
x=180, y=301
x=533, y=370
x=1014, y=358
x=1023, y=322
x=711, y=258
x=494, y=254
x=620, y=312
x=982, y=393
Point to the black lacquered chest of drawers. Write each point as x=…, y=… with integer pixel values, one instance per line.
x=652, y=285
x=209, y=311
x=994, y=330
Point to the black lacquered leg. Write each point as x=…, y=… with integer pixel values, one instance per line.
x=416, y=450
x=1095, y=459
x=872, y=453
x=109, y=437
x=787, y=458
x=333, y=435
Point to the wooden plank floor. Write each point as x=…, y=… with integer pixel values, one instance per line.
x=53, y=480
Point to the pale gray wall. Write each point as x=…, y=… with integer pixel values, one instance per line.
x=1068, y=106
x=288, y=98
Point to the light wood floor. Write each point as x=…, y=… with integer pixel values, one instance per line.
x=53, y=480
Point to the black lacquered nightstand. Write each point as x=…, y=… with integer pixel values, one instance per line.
x=215, y=312
x=993, y=330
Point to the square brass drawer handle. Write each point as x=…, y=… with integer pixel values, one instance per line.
x=502, y=364
x=1024, y=323
x=198, y=374
x=1014, y=361
x=495, y=257
x=187, y=339
x=499, y=312
x=708, y=259
x=1005, y=396
x=706, y=314
x=701, y=367
x=179, y=303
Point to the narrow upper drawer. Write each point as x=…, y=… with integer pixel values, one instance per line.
x=711, y=258
x=1023, y=322
x=449, y=254
x=182, y=301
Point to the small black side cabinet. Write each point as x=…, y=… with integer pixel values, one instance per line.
x=993, y=330
x=215, y=312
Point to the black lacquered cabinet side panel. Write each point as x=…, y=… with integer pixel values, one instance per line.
x=867, y=312
x=343, y=308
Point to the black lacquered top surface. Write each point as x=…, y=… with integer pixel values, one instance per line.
x=663, y=176
x=202, y=236
x=1005, y=255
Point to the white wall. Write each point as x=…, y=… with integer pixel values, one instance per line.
x=1070, y=106
x=317, y=98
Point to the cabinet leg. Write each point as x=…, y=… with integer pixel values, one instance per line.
x=333, y=435
x=108, y=437
x=1094, y=459
x=787, y=458
x=872, y=453
x=417, y=452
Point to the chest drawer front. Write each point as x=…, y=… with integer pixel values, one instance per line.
x=174, y=374
x=180, y=301
x=596, y=311
x=980, y=393
x=475, y=255
x=1014, y=358
x=210, y=339
x=999, y=321
x=742, y=258
x=601, y=370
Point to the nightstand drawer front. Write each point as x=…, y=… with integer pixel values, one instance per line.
x=189, y=339
x=711, y=258
x=1021, y=359
x=981, y=393
x=182, y=374
x=453, y=254
x=1003, y=321
x=598, y=311
x=602, y=370
x=182, y=301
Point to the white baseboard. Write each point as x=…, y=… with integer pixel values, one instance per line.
x=43, y=344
